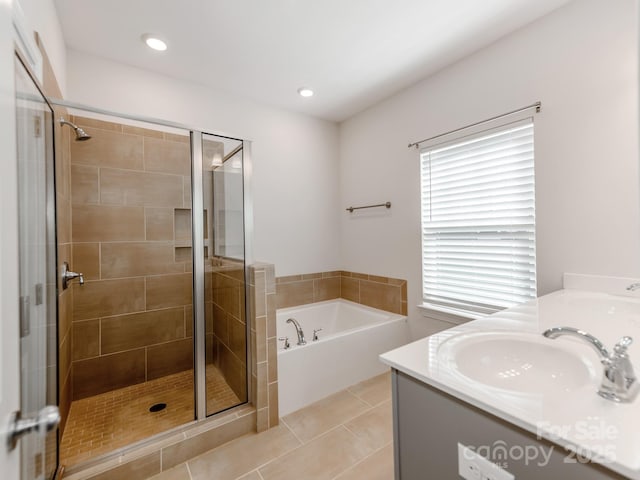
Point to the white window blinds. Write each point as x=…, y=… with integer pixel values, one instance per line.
x=478, y=220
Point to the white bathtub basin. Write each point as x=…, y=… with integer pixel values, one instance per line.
x=346, y=352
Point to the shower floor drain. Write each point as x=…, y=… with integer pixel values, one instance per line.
x=157, y=407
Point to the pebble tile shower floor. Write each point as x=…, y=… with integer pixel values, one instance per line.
x=106, y=422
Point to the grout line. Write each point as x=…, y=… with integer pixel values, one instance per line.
x=188, y=470
x=259, y=474
x=362, y=460
x=283, y=422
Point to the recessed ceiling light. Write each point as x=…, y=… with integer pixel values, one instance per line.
x=305, y=92
x=154, y=42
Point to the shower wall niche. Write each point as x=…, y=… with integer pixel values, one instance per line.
x=131, y=234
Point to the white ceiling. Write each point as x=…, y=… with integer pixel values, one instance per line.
x=353, y=53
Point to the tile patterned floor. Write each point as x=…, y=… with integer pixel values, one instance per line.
x=111, y=420
x=347, y=436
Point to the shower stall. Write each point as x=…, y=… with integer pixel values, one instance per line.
x=152, y=328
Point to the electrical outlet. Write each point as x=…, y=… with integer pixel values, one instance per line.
x=472, y=466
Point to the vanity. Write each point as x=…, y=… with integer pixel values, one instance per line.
x=494, y=399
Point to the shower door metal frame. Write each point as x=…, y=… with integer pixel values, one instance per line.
x=200, y=392
x=197, y=230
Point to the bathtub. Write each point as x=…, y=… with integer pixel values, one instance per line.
x=345, y=353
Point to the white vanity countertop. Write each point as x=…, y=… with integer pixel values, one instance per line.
x=600, y=429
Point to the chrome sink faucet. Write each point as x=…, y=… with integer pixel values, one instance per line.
x=619, y=382
x=299, y=332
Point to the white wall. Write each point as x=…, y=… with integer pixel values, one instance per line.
x=295, y=157
x=41, y=17
x=581, y=62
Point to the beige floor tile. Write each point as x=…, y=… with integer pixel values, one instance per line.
x=181, y=472
x=243, y=455
x=320, y=417
x=251, y=476
x=378, y=466
x=375, y=427
x=374, y=390
x=321, y=459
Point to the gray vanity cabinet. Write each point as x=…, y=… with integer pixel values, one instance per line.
x=429, y=424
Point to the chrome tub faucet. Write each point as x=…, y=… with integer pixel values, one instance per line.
x=619, y=382
x=299, y=332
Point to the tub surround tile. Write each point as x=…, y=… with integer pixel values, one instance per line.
x=360, y=276
x=384, y=293
x=318, y=418
x=262, y=321
x=381, y=296
x=274, y=418
x=326, y=289
x=288, y=279
x=350, y=289
x=294, y=293
x=338, y=445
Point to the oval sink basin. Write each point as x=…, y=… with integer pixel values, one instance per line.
x=518, y=362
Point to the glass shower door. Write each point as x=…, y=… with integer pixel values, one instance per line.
x=225, y=309
x=37, y=275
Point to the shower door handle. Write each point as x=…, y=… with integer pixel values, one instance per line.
x=47, y=419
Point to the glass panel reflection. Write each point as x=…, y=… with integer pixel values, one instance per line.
x=226, y=330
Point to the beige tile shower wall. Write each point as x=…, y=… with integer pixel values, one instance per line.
x=384, y=293
x=132, y=320
x=264, y=359
x=226, y=329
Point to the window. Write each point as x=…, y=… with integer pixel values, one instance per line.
x=478, y=221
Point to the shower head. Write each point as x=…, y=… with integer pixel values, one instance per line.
x=81, y=135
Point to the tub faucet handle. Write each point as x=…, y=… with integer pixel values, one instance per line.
x=286, y=342
x=315, y=334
